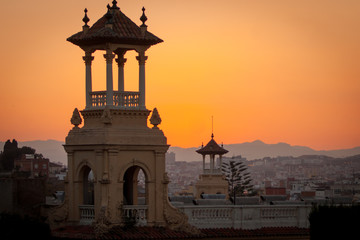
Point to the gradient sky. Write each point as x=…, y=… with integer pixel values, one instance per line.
x=278, y=71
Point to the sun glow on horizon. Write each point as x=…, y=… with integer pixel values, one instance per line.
x=285, y=71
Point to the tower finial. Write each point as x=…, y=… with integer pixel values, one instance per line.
x=143, y=18
x=108, y=16
x=114, y=6
x=86, y=19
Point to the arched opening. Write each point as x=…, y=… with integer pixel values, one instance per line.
x=135, y=192
x=86, y=195
x=135, y=196
x=87, y=176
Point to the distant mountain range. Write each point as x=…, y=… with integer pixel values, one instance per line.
x=259, y=149
x=54, y=150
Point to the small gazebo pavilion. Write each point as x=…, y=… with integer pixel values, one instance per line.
x=115, y=34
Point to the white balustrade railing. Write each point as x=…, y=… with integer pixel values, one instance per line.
x=126, y=99
x=137, y=212
x=120, y=99
x=225, y=216
x=98, y=99
x=271, y=213
x=247, y=217
x=87, y=214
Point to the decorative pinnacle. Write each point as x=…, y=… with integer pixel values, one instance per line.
x=86, y=19
x=143, y=18
x=76, y=118
x=155, y=118
x=108, y=15
x=114, y=6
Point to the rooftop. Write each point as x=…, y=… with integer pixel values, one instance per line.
x=212, y=148
x=87, y=232
x=114, y=27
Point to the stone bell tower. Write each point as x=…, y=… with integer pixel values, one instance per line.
x=114, y=144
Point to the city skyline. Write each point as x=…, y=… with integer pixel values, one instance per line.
x=280, y=71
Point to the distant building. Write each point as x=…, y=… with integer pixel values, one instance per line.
x=275, y=191
x=238, y=158
x=34, y=164
x=212, y=180
x=55, y=168
x=170, y=158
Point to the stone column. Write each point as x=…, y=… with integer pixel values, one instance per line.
x=142, y=59
x=220, y=166
x=203, y=163
x=211, y=163
x=109, y=56
x=88, y=84
x=121, y=62
x=72, y=187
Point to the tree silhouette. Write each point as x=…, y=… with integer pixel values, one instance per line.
x=238, y=177
x=11, y=152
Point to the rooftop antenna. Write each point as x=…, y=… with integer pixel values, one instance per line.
x=212, y=126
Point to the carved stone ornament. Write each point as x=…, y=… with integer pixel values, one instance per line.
x=76, y=118
x=58, y=215
x=166, y=179
x=174, y=218
x=103, y=223
x=155, y=118
x=106, y=117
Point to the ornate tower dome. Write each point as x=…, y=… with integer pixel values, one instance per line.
x=115, y=34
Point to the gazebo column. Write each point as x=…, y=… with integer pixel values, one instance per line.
x=88, y=78
x=142, y=59
x=109, y=56
x=121, y=62
x=212, y=163
x=203, y=163
x=220, y=166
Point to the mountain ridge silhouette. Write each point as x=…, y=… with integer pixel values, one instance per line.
x=53, y=149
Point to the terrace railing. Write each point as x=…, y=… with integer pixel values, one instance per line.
x=221, y=216
x=136, y=213
x=120, y=99
x=87, y=214
x=247, y=217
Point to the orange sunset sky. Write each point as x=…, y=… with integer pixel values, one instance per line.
x=274, y=70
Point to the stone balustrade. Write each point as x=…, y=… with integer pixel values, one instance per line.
x=137, y=212
x=224, y=216
x=87, y=214
x=247, y=217
x=120, y=99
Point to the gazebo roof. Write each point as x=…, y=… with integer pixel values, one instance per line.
x=212, y=148
x=114, y=27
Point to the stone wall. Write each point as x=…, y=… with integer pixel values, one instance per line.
x=22, y=195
